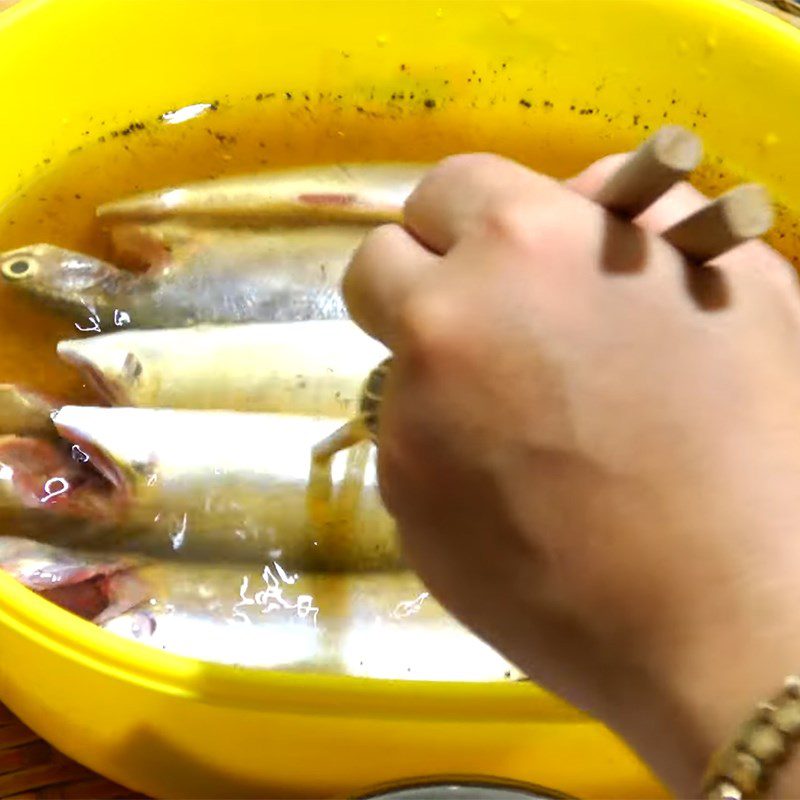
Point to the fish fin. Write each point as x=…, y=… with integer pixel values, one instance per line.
x=125, y=590
x=156, y=246
x=320, y=481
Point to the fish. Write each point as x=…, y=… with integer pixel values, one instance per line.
x=279, y=276
x=367, y=193
x=232, y=486
x=26, y=413
x=374, y=625
x=313, y=367
x=95, y=586
x=175, y=223
x=51, y=494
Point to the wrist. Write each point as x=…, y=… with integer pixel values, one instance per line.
x=678, y=713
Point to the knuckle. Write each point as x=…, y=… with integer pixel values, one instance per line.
x=595, y=175
x=467, y=162
x=783, y=274
x=429, y=325
x=375, y=242
x=512, y=221
x=477, y=167
x=761, y=264
x=361, y=284
x=364, y=257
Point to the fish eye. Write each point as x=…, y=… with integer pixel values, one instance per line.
x=16, y=269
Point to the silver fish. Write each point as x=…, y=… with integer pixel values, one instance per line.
x=369, y=193
x=276, y=277
x=382, y=625
x=314, y=367
x=232, y=486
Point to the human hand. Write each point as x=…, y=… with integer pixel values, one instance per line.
x=591, y=448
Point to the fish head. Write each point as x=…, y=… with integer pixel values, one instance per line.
x=152, y=245
x=40, y=474
x=111, y=371
x=57, y=275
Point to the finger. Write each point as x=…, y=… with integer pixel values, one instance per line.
x=596, y=175
x=672, y=207
x=754, y=256
x=738, y=216
x=661, y=161
x=459, y=193
x=385, y=268
x=677, y=204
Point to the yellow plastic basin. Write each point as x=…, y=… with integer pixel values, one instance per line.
x=598, y=75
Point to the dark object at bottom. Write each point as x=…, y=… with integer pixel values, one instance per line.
x=464, y=790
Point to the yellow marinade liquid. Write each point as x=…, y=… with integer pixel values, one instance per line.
x=264, y=132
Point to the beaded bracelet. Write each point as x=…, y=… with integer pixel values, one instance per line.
x=745, y=767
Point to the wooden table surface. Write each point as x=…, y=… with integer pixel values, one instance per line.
x=30, y=768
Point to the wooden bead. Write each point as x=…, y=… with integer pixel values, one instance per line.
x=745, y=767
x=740, y=768
x=724, y=791
x=792, y=686
x=763, y=741
x=786, y=717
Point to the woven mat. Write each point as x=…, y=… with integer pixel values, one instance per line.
x=31, y=769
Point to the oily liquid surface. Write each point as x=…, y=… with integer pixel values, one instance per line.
x=59, y=208
x=260, y=134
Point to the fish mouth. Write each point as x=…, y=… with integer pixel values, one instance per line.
x=100, y=459
x=109, y=391
x=119, y=484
